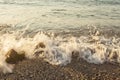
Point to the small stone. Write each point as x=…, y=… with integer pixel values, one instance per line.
x=13, y=57
x=40, y=45
x=31, y=76
x=94, y=69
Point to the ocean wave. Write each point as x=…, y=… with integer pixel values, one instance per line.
x=58, y=49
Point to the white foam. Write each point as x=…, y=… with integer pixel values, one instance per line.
x=59, y=50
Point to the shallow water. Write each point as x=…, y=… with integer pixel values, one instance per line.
x=88, y=28
x=60, y=13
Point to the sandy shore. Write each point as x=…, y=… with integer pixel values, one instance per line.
x=78, y=69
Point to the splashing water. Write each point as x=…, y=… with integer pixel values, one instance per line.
x=58, y=50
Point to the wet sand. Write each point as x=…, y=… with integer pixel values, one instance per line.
x=78, y=69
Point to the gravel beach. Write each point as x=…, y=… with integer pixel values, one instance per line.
x=64, y=26
x=78, y=69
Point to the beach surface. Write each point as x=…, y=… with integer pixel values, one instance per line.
x=89, y=27
x=78, y=69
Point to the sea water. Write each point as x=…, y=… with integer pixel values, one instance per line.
x=65, y=27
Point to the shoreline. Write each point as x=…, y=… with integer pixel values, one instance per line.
x=35, y=69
